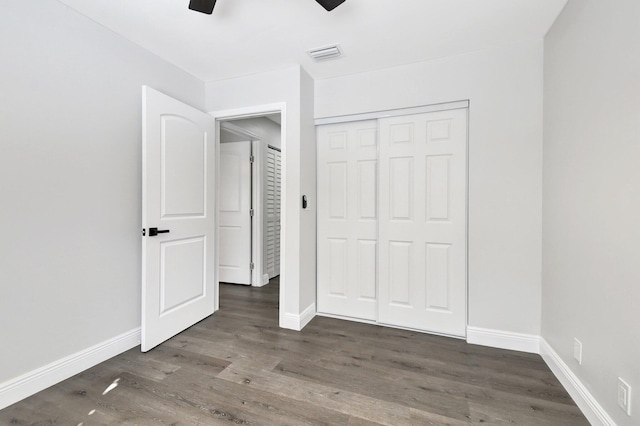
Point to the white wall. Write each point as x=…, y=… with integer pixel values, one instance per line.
x=591, y=281
x=70, y=167
x=283, y=86
x=308, y=230
x=504, y=87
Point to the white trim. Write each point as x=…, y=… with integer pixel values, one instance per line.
x=346, y=318
x=248, y=112
x=503, y=339
x=257, y=221
x=265, y=279
x=392, y=113
x=37, y=380
x=587, y=403
x=298, y=322
x=238, y=131
x=307, y=315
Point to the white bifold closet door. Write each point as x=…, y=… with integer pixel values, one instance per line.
x=422, y=232
x=274, y=184
x=347, y=219
x=392, y=221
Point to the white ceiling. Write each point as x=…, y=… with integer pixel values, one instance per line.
x=250, y=36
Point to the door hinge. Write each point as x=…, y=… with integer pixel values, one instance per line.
x=251, y=266
x=251, y=159
x=251, y=212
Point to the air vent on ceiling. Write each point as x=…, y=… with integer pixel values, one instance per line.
x=328, y=52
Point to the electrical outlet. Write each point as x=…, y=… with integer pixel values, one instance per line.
x=624, y=396
x=577, y=350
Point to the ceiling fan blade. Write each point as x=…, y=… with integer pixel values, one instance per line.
x=204, y=6
x=330, y=4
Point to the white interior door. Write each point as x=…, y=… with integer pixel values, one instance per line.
x=347, y=219
x=273, y=185
x=178, y=201
x=422, y=232
x=235, y=213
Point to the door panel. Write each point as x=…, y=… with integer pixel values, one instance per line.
x=234, y=261
x=367, y=189
x=437, y=259
x=347, y=217
x=337, y=174
x=274, y=169
x=178, y=279
x=338, y=267
x=183, y=169
x=422, y=229
x=401, y=188
x=367, y=264
x=400, y=256
x=183, y=273
x=278, y=205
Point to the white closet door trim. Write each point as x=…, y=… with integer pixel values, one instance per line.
x=392, y=113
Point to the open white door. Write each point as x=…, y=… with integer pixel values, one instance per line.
x=178, y=205
x=235, y=213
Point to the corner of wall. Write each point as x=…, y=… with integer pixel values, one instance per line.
x=298, y=322
x=587, y=403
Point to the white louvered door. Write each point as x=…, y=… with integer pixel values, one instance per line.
x=273, y=182
x=422, y=224
x=347, y=213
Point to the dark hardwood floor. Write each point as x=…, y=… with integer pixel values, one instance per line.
x=238, y=367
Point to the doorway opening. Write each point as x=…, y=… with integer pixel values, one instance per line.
x=250, y=183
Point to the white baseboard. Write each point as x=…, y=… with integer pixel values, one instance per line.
x=589, y=406
x=345, y=318
x=34, y=381
x=260, y=281
x=298, y=322
x=265, y=279
x=503, y=339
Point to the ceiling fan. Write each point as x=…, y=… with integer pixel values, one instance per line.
x=206, y=6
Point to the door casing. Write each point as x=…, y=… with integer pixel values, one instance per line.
x=253, y=112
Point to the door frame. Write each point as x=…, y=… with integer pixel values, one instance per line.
x=253, y=112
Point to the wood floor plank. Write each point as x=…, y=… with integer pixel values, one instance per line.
x=238, y=367
x=353, y=404
x=424, y=418
x=386, y=386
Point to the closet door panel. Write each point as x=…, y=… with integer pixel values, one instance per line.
x=422, y=222
x=347, y=219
